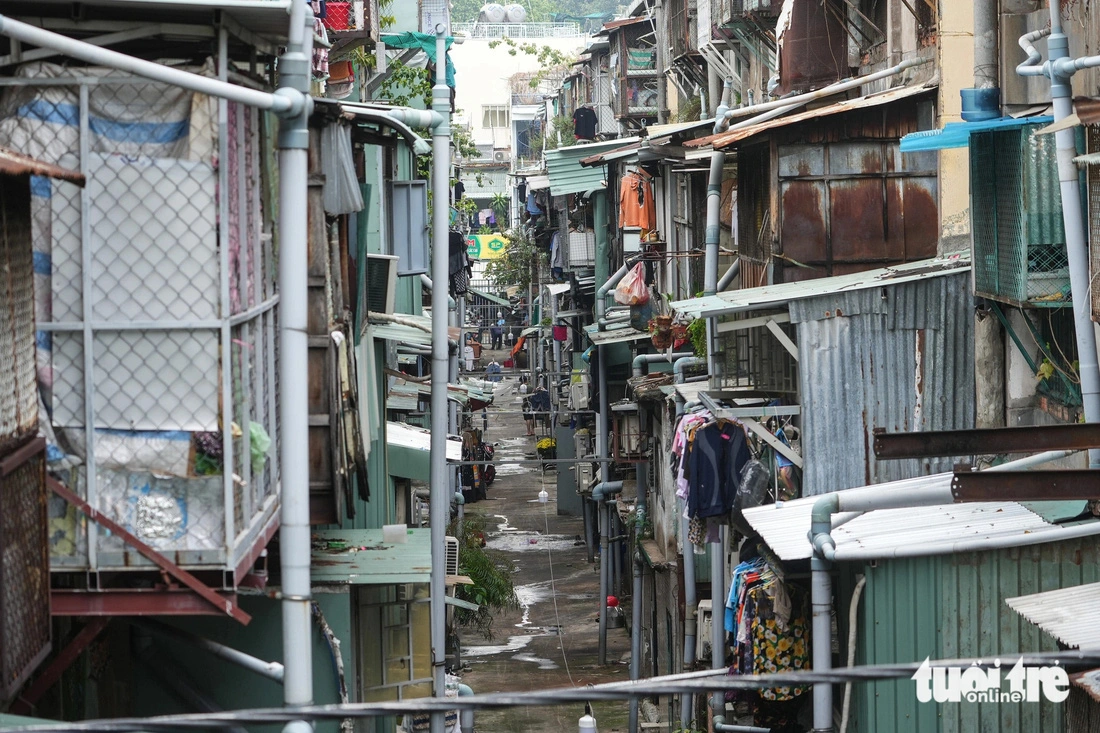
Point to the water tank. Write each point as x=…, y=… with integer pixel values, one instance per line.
x=516, y=13
x=492, y=13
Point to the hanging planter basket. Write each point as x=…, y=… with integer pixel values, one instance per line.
x=660, y=330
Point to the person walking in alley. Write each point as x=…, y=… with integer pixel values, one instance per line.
x=496, y=332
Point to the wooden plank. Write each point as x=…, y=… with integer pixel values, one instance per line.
x=783, y=338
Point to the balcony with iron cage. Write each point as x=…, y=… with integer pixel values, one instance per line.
x=156, y=315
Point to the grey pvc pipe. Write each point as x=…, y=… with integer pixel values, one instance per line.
x=605, y=289
x=681, y=364
x=605, y=570
x=730, y=274
x=1061, y=68
x=441, y=478
x=641, y=360
x=985, y=44
x=717, y=619
x=723, y=727
x=635, y=637
x=690, y=618
x=271, y=670
x=427, y=283
x=853, y=620
x=821, y=601
x=466, y=717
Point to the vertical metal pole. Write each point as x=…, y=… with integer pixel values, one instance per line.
x=605, y=476
x=229, y=467
x=1073, y=218
x=441, y=490
x=86, y=266
x=294, y=70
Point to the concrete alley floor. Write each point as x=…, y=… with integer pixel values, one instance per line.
x=526, y=653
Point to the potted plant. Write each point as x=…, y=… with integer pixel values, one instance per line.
x=660, y=331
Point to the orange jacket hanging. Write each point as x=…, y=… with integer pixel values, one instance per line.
x=636, y=205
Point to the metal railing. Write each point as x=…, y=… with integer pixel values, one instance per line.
x=519, y=30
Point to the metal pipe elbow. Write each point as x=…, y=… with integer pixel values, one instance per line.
x=606, y=489
x=821, y=526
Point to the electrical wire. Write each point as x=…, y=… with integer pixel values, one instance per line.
x=553, y=588
x=694, y=682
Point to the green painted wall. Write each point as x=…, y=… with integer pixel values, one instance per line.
x=232, y=687
x=953, y=607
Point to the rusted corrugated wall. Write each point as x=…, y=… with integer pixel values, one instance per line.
x=900, y=357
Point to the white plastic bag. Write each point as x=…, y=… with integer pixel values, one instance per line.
x=632, y=289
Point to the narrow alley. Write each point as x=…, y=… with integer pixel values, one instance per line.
x=556, y=586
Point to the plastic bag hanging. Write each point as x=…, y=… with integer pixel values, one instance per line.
x=755, y=478
x=632, y=289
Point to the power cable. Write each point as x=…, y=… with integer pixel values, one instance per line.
x=693, y=682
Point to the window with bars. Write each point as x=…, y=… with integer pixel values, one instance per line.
x=495, y=116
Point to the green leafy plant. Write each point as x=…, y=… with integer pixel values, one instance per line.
x=697, y=332
x=500, y=204
x=493, y=589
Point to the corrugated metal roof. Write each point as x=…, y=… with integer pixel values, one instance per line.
x=404, y=435
x=17, y=164
x=405, y=333
x=785, y=527
x=957, y=134
x=1067, y=614
x=619, y=333
x=626, y=151
x=654, y=131
x=537, y=183
x=360, y=557
x=726, y=139
x=566, y=173
x=773, y=296
x=898, y=357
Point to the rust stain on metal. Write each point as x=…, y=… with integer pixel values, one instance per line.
x=855, y=219
x=803, y=231
x=922, y=229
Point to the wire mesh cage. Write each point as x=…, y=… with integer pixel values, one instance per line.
x=1016, y=217
x=752, y=357
x=154, y=287
x=24, y=570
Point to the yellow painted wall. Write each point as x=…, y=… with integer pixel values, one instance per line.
x=956, y=68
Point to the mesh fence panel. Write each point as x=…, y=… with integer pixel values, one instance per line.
x=154, y=286
x=1016, y=214
x=24, y=573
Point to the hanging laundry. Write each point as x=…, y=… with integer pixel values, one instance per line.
x=584, y=124
x=637, y=207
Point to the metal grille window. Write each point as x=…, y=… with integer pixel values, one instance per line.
x=1016, y=218
x=755, y=354
x=494, y=116
x=394, y=642
x=156, y=305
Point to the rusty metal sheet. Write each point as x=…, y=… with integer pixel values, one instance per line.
x=922, y=217
x=1070, y=484
x=1030, y=439
x=802, y=233
x=812, y=48
x=856, y=218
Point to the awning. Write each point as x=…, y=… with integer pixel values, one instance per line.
x=615, y=334
x=408, y=451
x=360, y=557
x=626, y=151
x=957, y=134
x=775, y=296
x=558, y=288
x=537, y=183
x=414, y=330
x=566, y=173
x=727, y=139
x=490, y=297
x=1067, y=614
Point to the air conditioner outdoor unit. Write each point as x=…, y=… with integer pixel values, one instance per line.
x=381, y=285
x=501, y=156
x=705, y=618
x=452, y=555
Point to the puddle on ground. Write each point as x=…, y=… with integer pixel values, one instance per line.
x=528, y=595
x=511, y=539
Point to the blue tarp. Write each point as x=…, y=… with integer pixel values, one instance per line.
x=957, y=134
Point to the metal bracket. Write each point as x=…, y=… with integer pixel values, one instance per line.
x=225, y=605
x=1077, y=436
x=1069, y=485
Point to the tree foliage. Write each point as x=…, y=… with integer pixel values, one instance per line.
x=520, y=262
